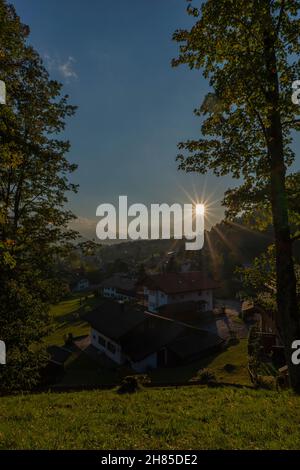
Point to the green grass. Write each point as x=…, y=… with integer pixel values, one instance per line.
x=235, y=355
x=82, y=370
x=68, y=319
x=179, y=418
x=238, y=357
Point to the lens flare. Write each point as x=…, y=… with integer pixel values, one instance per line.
x=200, y=209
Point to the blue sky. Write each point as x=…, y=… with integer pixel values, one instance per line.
x=114, y=60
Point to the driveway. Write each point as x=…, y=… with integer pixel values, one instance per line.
x=222, y=325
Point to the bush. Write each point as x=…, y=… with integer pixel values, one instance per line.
x=266, y=382
x=233, y=339
x=253, y=367
x=254, y=342
x=205, y=376
x=229, y=368
x=132, y=383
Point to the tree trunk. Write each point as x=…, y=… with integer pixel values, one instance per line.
x=288, y=311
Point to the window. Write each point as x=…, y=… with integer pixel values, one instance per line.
x=101, y=341
x=111, y=347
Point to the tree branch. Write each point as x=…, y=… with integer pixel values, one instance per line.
x=280, y=16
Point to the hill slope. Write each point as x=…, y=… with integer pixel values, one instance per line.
x=182, y=418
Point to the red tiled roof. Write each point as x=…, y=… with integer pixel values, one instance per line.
x=176, y=283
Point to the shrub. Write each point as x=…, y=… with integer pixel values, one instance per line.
x=132, y=383
x=233, y=339
x=253, y=367
x=254, y=342
x=229, y=367
x=205, y=376
x=266, y=382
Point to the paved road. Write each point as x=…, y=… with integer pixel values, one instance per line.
x=223, y=324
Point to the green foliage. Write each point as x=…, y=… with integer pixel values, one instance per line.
x=229, y=368
x=206, y=376
x=227, y=44
x=254, y=353
x=254, y=342
x=132, y=384
x=33, y=182
x=259, y=279
x=266, y=382
x=249, y=51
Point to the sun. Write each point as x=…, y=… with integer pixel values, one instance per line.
x=200, y=209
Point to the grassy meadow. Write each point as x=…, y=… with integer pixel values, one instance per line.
x=169, y=418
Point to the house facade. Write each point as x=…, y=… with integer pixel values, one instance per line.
x=108, y=346
x=173, y=288
x=82, y=285
x=119, y=287
x=144, y=340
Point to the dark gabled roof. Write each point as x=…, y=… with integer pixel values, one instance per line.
x=179, y=307
x=58, y=355
x=184, y=340
x=114, y=319
x=118, y=321
x=186, y=312
x=121, y=283
x=176, y=283
x=137, y=347
x=191, y=343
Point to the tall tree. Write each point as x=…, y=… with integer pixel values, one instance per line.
x=249, y=49
x=33, y=184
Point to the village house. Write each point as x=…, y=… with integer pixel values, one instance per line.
x=119, y=287
x=82, y=285
x=173, y=288
x=144, y=340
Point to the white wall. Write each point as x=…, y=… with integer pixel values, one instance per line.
x=157, y=298
x=116, y=356
x=109, y=292
x=148, y=362
x=82, y=285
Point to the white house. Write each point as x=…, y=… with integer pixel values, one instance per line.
x=82, y=285
x=173, y=288
x=119, y=287
x=144, y=340
x=109, y=325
